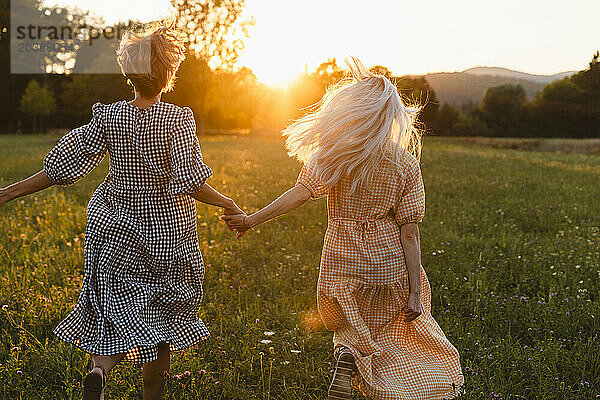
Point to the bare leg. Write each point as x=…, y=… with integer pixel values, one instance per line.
x=155, y=373
x=107, y=362
x=95, y=380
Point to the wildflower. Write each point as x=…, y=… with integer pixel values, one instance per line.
x=295, y=351
x=268, y=333
x=187, y=373
x=266, y=341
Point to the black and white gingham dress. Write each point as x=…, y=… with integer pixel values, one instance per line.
x=143, y=268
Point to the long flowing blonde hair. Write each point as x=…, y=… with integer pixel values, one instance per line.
x=359, y=122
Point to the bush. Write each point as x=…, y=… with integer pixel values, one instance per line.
x=470, y=125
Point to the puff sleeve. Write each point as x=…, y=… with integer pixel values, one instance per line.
x=189, y=173
x=410, y=207
x=78, y=152
x=307, y=177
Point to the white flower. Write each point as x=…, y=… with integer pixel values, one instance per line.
x=268, y=333
x=266, y=341
x=295, y=351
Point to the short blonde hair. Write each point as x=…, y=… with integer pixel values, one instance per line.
x=150, y=55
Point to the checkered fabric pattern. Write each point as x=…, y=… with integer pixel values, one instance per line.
x=143, y=268
x=363, y=286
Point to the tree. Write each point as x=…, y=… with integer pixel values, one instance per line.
x=79, y=91
x=328, y=73
x=503, y=109
x=569, y=107
x=210, y=26
x=37, y=101
x=232, y=99
x=445, y=120
x=470, y=125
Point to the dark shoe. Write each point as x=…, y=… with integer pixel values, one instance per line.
x=341, y=385
x=94, y=383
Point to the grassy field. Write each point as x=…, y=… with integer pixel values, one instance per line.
x=510, y=242
x=552, y=145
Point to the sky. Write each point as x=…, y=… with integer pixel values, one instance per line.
x=408, y=37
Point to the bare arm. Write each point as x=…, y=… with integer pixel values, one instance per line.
x=290, y=200
x=411, y=244
x=33, y=184
x=207, y=194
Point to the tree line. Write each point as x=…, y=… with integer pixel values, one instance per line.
x=227, y=99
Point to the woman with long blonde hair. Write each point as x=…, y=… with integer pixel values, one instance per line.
x=360, y=148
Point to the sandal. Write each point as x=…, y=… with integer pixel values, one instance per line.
x=94, y=383
x=341, y=385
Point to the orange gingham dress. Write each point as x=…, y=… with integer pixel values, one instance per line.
x=363, y=286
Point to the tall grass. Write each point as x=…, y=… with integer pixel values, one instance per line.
x=511, y=245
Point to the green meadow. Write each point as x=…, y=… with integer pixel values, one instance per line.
x=510, y=243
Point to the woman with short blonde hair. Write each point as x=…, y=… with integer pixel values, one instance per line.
x=142, y=283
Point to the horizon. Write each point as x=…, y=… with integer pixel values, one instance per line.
x=448, y=37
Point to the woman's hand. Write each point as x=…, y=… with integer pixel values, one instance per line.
x=232, y=209
x=238, y=222
x=412, y=309
x=5, y=196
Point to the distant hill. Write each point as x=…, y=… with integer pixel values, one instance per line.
x=465, y=89
x=509, y=73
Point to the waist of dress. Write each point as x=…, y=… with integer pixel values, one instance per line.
x=123, y=185
x=364, y=223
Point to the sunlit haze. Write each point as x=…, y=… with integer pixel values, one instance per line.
x=542, y=37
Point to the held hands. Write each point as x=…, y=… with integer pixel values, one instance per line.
x=234, y=217
x=238, y=222
x=412, y=309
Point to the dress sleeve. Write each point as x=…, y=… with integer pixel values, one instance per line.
x=307, y=177
x=78, y=152
x=188, y=170
x=410, y=207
